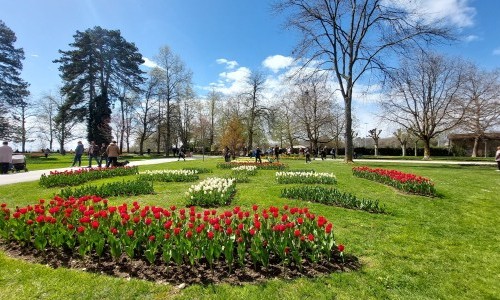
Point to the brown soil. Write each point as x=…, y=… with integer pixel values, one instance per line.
x=159, y=272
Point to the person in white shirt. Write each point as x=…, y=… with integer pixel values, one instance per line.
x=5, y=157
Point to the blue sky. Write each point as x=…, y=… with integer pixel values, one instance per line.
x=219, y=40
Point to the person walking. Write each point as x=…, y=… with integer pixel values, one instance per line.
x=258, y=153
x=308, y=155
x=113, y=152
x=497, y=158
x=181, y=155
x=333, y=153
x=227, y=154
x=93, y=152
x=277, y=153
x=104, y=156
x=323, y=153
x=5, y=157
x=78, y=154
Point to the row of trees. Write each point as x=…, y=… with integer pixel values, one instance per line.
x=343, y=42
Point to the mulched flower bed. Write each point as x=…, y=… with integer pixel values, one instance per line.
x=201, y=273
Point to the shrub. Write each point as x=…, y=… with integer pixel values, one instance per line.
x=80, y=176
x=331, y=196
x=124, y=188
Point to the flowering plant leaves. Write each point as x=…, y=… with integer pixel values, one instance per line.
x=80, y=176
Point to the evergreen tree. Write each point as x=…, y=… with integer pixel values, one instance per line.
x=13, y=89
x=101, y=61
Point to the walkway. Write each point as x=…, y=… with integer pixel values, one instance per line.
x=35, y=175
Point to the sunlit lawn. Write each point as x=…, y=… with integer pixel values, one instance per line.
x=425, y=248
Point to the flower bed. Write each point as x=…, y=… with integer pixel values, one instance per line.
x=305, y=177
x=170, y=175
x=80, y=176
x=261, y=166
x=331, y=196
x=199, y=170
x=212, y=192
x=170, y=235
x=408, y=183
x=123, y=188
x=247, y=170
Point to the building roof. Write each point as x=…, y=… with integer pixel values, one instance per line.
x=464, y=136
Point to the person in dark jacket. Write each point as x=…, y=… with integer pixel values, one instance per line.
x=78, y=154
x=93, y=152
x=258, y=153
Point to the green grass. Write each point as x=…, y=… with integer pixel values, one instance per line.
x=55, y=160
x=425, y=248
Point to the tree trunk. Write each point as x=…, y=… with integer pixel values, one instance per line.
x=427, y=149
x=348, y=130
x=403, y=149
x=476, y=146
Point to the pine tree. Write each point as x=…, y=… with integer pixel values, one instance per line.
x=101, y=61
x=13, y=89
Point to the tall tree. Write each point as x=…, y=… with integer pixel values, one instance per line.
x=176, y=76
x=233, y=135
x=312, y=109
x=482, y=88
x=425, y=96
x=13, y=89
x=350, y=38
x=253, y=99
x=101, y=61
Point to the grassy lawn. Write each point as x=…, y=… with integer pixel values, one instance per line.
x=425, y=248
x=38, y=162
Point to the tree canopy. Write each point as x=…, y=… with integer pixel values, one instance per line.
x=13, y=89
x=100, y=62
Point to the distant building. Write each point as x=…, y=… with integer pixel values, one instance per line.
x=462, y=144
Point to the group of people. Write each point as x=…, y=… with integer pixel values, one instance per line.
x=102, y=154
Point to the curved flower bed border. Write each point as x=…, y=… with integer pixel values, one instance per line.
x=305, y=177
x=169, y=175
x=261, y=166
x=406, y=182
x=181, y=236
x=77, y=177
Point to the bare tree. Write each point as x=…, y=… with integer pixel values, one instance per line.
x=176, y=77
x=425, y=95
x=337, y=125
x=146, y=115
x=186, y=116
x=482, y=88
x=312, y=109
x=46, y=113
x=372, y=133
x=253, y=99
x=20, y=127
x=214, y=99
x=350, y=38
x=404, y=137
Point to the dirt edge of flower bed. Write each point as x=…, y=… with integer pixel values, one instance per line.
x=200, y=273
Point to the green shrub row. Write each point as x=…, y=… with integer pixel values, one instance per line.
x=333, y=197
x=123, y=188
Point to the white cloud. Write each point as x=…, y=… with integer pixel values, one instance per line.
x=277, y=62
x=34, y=55
x=455, y=12
x=149, y=63
x=471, y=38
x=496, y=51
x=233, y=82
x=230, y=64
